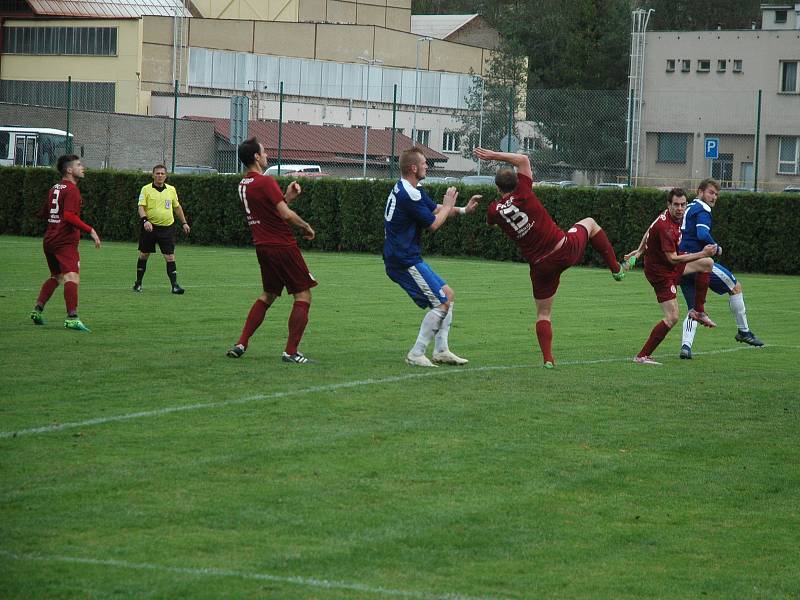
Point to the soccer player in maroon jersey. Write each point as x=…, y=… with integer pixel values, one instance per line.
x=62, y=210
x=548, y=250
x=282, y=266
x=664, y=267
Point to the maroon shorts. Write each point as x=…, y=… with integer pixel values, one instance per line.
x=283, y=267
x=665, y=283
x=546, y=274
x=63, y=259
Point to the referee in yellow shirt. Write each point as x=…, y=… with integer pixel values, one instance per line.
x=157, y=202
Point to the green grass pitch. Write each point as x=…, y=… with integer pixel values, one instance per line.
x=139, y=462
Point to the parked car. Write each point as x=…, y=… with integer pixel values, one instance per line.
x=478, y=180
x=293, y=170
x=609, y=184
x=735, y=190
x=195, y=170
x=792, y=189
x=445, y=180
x=561, y=184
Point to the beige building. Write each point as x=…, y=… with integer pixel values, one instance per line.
x=703, y=87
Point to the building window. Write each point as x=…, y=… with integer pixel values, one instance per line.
x=789, y=77
x=332, y=125
x=450, y=141
x=737, y=65
x=670, y=65
x=424, y=137
x=528, y=144
x=398, y=130
x=86, y=95
x=781, y=15
x=703, y=65
x=722, y=65
x=722, y=170
x=672, y=148
x=686, y=65
x=70, y=41
x=789, y=155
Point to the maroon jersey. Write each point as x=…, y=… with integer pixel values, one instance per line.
x=664, y=235
x=260, y=196
x=525, y=220
x=62, y=197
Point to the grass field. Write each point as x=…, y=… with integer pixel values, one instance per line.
x=139, y=462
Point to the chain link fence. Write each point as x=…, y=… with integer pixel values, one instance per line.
x=573, y=137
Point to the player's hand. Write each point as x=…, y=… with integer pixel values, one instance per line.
x=483, y=154
x=635, y=254
x=450, y=197
x=95, y=237
x=472, y=204
x=309, y=233
x=293, y=190
x=710, y=250
x=186, y=229
x=148, y=226
x=719, y=250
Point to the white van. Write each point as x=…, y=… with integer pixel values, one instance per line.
x=31, y=146
x=274, y=171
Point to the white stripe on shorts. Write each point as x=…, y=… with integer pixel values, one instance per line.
x=723, y=276
x=423, y=285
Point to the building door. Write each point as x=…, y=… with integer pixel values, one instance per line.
x=722, y=170
x=748, y=175
x=25, y=150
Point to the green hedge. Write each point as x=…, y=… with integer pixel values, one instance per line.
x=757, y=231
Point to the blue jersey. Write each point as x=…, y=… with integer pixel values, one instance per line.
x=408, y=211
x=696, y=227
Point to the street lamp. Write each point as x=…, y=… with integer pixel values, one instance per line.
x=416, y=90
x=370, y=62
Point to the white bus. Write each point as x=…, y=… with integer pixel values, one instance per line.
x=31, y=146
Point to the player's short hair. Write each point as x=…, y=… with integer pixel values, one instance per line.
x=64, y=162
x=409, y=158
x=506, y=180
x=706, y=183
x=247, y=151
x=675, y=193
x=159, y=167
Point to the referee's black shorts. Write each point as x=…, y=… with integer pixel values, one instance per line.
x=164, y=235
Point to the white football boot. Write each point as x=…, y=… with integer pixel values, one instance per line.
x=419, y=360
x=448, y=358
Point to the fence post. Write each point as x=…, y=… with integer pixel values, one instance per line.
x=394, y=124
x=758, y=142
x=68, y=140
x=174, y=125
x=280, y=126
x=480, y=122
x=510, y=117
x=630, y=138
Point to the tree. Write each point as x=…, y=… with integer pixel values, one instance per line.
x=689, y=15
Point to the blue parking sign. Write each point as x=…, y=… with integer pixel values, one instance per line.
x=712, y=147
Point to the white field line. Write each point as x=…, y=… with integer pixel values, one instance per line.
x=317, y=389
x=214, y=572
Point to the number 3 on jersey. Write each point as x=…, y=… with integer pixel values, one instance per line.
x=54, y=202
x=243, y=196
x=391, y=203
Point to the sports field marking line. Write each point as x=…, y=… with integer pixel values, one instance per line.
x=214, y=572
x=323, y=388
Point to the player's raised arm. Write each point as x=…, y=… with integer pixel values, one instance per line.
x=448, y=202
x=293, y=190
x=520, y=161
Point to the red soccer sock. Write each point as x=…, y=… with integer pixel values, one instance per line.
x=701, y=281
x=600, y=243
x=48, y=287
x=297, y=325
x=544, y=333
x=71, y=298
x=657, y=336
x=254, y=319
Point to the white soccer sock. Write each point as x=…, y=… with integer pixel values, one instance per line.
x=736, y=302
x=689, y=331
x=440, y=343
x=430, y=325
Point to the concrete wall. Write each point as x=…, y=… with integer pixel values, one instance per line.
x=260, y=10
x=123, y=69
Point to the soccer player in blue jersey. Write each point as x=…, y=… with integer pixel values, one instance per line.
x=409, y=210
x=696, y=233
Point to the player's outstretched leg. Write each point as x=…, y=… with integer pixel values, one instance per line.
x=701, y=282
x=441, y=348
x=736, y=303
x=431, y=323
x=254, y=319
x=599, y=241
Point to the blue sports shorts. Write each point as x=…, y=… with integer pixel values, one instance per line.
x=421, y=283
x=722, y=282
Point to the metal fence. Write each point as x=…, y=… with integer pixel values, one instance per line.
x=573, y=137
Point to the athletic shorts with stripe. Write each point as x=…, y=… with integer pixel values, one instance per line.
x=722, y=282
x=63, y=259
x=421, y=283
x=546, y=274
x=283, y=267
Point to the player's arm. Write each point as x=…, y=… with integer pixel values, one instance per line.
x=443, y=211
x=520, y=161
x=703, y=230
x=293, y=190
x=469, y=207
x=73, y=219
x=182, y=219
x=291, y=217
x=142, y=208
x=675, y=258
x=638, y=252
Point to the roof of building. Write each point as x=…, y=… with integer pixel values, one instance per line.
x=323, y=144
x=439, y=27
x=108, y=8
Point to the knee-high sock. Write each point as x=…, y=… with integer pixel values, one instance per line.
x=172, y=273
x=141, y=267
x=600, y=243
x=544, y=333
x=71, y=298
x=701, y=281
x=297, y=325
x=658, y=334
x=431, y=323
x=689, y=331
x=48, y=287
x=254, y=319
x=440, y=339
x=736, y=302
